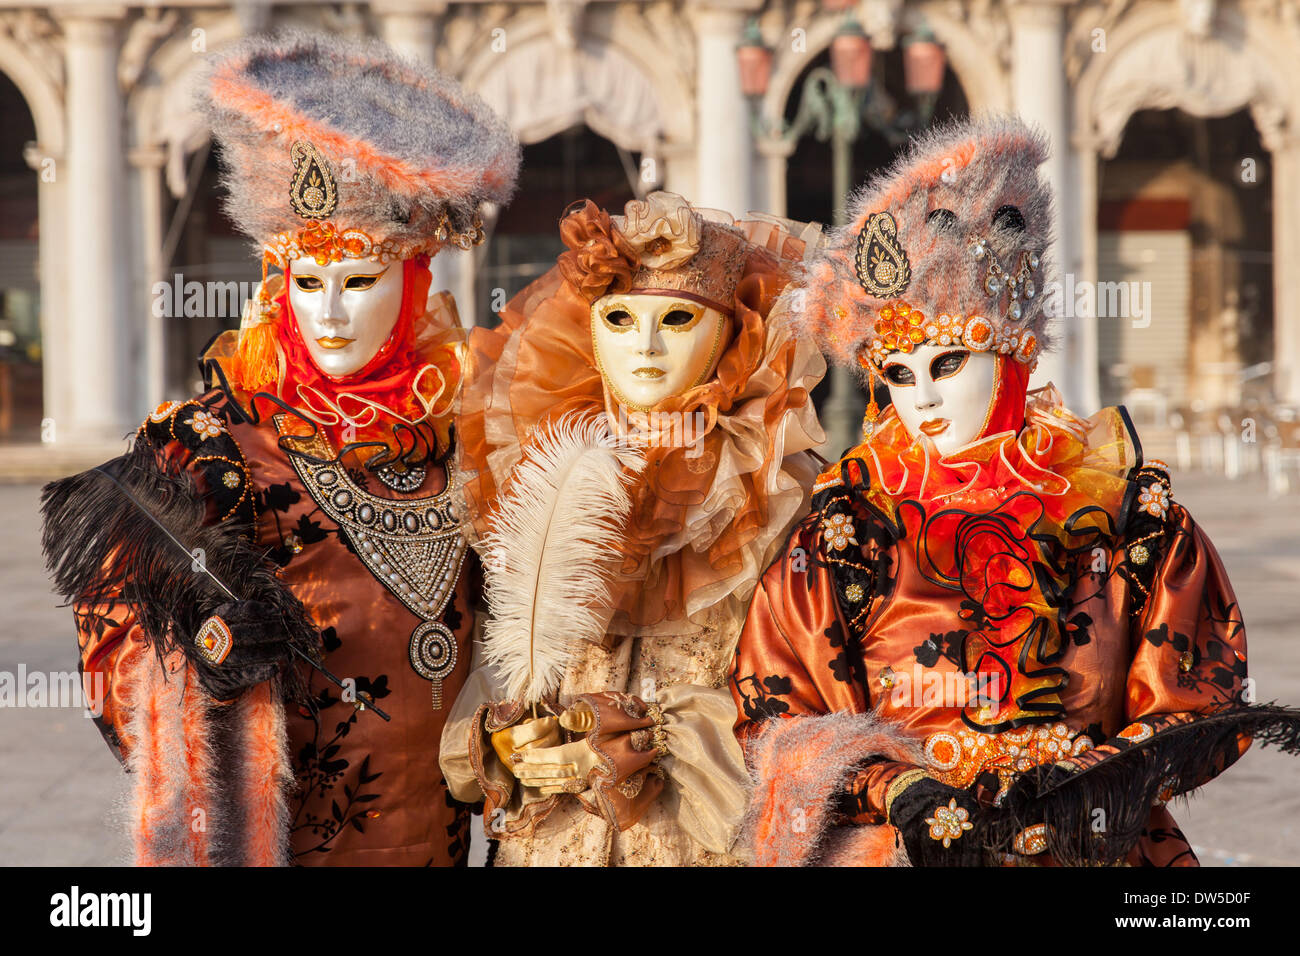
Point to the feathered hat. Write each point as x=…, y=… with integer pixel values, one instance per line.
x=946, y=246
x=336, y=150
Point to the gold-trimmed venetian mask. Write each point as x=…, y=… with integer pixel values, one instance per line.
x=653, y=347
x=345, y=310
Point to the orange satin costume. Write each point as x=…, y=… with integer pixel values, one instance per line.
x=312, y=496
x=1028, y=600
x=364, y=791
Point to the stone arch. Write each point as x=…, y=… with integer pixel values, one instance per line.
x=40, y=90
x=1239, y=61
x=1154, y=62
x=630, y=96
x=42, y=95
x=160, y=109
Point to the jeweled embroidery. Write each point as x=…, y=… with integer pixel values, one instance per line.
x=414, y=547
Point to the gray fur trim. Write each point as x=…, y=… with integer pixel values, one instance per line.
x=800, y=765
x=408, y=113
x=970, y=167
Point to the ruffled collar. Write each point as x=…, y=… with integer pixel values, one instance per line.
x=401, y=408
x=1003, y=521
x=707, y=516
x=1069, y=463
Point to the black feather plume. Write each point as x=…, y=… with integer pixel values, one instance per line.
x=1124, y=785
x=100, y=545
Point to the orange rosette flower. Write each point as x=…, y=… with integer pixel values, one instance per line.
x=600, y=260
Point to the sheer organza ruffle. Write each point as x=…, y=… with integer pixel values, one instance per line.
x=708, y=514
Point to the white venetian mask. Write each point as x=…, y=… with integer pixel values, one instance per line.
x=653, y=347
x=345, y=310
x=941, y=392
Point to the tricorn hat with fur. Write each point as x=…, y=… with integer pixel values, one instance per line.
x=340, y=148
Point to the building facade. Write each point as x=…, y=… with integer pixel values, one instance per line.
x=1176, y=162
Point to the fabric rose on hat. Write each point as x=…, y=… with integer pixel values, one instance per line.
x=600, y=260
x=662, y=229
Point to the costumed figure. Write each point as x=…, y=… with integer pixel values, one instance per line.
x=634, y=440
x=273, y=586
x=997, y=638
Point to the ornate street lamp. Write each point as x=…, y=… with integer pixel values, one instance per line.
x=924, y=65
x=835, y=104
x=755, y=61
x=851, y=56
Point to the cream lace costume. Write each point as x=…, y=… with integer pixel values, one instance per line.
x=681, y=594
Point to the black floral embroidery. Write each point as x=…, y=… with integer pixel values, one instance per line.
x=457, y=830
x=947, y=646
x=310, y=528
x=216, y=456
x=451, y=615
x=330, y=640
x=760, y=701
x=309, y=532
x=91, y=623
x=1078, y=629
x=321, y=771
x=1216, y=668
x=280, y=497
x=1154, y=836
x=847, y=666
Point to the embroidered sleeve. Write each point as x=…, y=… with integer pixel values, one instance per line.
x=792, y=639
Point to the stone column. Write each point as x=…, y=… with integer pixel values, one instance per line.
x=775, y=153
x=678, y=171
x=410, y=29
x=723, y=148
x=1286, y=278
x=56, y=378
x=101, y=343
x=148, y=163
x=1040, y=96
x=1085, y=160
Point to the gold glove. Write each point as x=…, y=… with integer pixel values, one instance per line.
x=562, y=769
x=579, y=718
x=538, y=732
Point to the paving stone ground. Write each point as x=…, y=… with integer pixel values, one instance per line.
x=59, y=784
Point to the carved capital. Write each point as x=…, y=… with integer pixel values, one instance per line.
x=143, y=37
x=880, y=20
x=565, y=17
x=40, y=37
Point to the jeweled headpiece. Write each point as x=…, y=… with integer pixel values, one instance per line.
x=944, y=247
x=340, y=149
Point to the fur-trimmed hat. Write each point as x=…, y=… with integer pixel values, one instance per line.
x=947, y=246
x=337, y=148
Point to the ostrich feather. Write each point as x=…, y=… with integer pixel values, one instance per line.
x=546, y=554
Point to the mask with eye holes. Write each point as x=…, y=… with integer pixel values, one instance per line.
x=345, y=310
x=650, y=348
x=942, y=393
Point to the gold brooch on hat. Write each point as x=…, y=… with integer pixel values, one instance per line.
x=881, y=262
x=312, y=192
